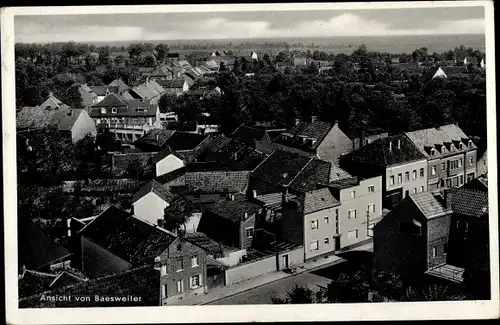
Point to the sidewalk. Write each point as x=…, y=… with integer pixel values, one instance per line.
x=225, y=292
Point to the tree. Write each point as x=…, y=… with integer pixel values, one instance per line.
x=135, y=51
x=72, y=97
x=167, y=102
x=177, y=215
x=348, y=288
x=297, y=295
x=104, y=55
x=162, y=51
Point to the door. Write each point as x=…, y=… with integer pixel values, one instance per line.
x=337, y=243
x=285, y=261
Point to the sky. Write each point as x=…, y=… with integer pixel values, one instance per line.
x=248, y=24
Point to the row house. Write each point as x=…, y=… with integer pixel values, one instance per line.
x=441, y=233
x=116, y=241
x=451, y=155
x=127, y=119
x=402, y=166
x=314, y=138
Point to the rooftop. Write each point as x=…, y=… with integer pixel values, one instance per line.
x=156, y=188
x=306, y=135
x=127, y=237
x=37, y=118
x=155, y=138
x=248, y=134
x=236, y=210
x=317, y=200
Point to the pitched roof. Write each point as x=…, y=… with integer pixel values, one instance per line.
x=149, y=89
x=430, y=203
x=317, y=200
x=156, y=188
x=315, y=171
x=206, y=243
x=120, y=84
x=124, y=107
x=216, y=181
x=436, y=137
x=248, y=134
x=37, y=117
x=155, y=137
x=127, y=237
x=281, y=167
x=379, y=153
x=469, y=202
x=33, y=282
x=180, y=141
x=303, y=133
x=167, y=151
x=35, y=248
x=344, y=183
x=141, y=282
x=454, y=70
x=100, y=90
x=52, y=102
x=236, y=210
x=170, y=84
x=112, y=100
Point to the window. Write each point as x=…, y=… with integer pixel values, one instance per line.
x=103, y=110
x=327, y=240
x=352, y=234
x=194, y=261
x=249, y=232
x=471, y=159
x=351, y=214
x=461, y=146
x=443, y=166
x=462, y=225
x=194, y=281
x=415, y=174
x=414, y=190
x=407, y=192
x=180, y=265
x=114, y=110
x=454, y=164
x=461, y=180
x=371, y=207
x=400, y=178
x=421, y=172
x=164, y=291
x=421, y=188
x=180, y=286
x=470, y=144
x=371, y=188
x=163, y=270
x=314, y=224
x=407, y=176
x=327, y=220
x=391, y=180
x=352, y=194
x=314, y=245
x=460, y=162
x=434, y=252
x=433, y=152
x=433, y=170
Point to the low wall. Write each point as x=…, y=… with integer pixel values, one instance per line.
x=262, y=266
x=233, y=258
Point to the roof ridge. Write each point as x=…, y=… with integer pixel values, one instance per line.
x=300, y=171
x=41, y=273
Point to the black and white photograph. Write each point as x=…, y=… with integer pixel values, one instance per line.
x=250, y=156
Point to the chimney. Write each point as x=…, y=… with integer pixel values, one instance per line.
x=284, y=195
x=246, y=215
x=68, y=223
x=254, y=194
x=157, y=137
x=314, y=118
x=297, y=121
x=390, y=145
x=51, y=94
x=362, y=138
x=399, y=144
x=447, y=198
x=147, y=81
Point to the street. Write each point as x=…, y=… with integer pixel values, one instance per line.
x=263, y=294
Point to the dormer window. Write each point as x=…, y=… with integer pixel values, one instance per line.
x=461, y=146
x=452, y=147
x=103, y=110
x=443, y=150
x=469, y=144
x=433, y=152
x=114, y=110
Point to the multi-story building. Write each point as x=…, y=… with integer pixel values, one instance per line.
x=402, y=166
x=450, y=153
x=438, y=233
x=127, y=119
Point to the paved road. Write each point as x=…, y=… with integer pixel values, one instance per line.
x=263, y=294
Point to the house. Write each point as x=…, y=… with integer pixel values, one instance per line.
x=150, y=201
x=249, y=55
x=75, y=123
x=205, y=92
x=483, y=62
x=154, y=140
x=127, y=119
x=236, y=215
x=364, y=137
x=315, y=138
x=149, y=90
x=212, y=65
x=406, y=66
x=300, y=61
x=34, y=282
x=167, y=161
x=143, y=282
x=446, y=71
x=176, y=86
x=103, y=91
x=435, y=233
x=52, y=103
x=470, y=60
x=451, y=155
x=360, y=209
x=38, y=252
x=116, y=241
x=89, y=97
x=397, y=159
